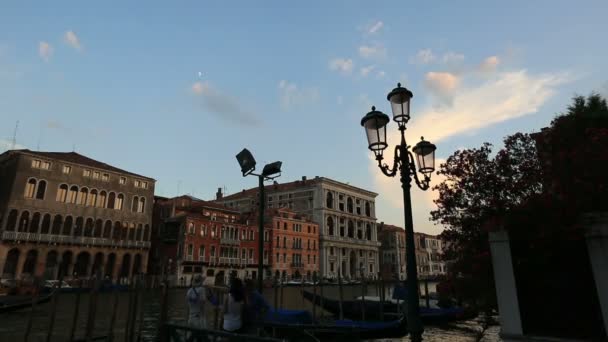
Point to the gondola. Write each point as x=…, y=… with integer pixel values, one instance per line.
x=298, y=325
x=14, y=303
x=357, y=309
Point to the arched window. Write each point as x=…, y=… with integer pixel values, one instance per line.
x=82, y=196
x=111, y=200
x=101, y=201
x=284, y=242
x=35, y=223
x=134, y=204
x=119, y=201
x=30, y=188
x=139, y=232
x=88, y=227
x=92, y=199
x=330, y=226
x=78, y=228
x=46, y=224
x=11, y=222
x=131, y=231
x=117, y=231
x=98, y=228
x=41, y=190
x=368, y=232
x=359, y=234
x=147, y=233
x=368, y=211
x=73, y=194
x=24, y=221
x=142, y=205
x=107, y=229
x=330, y=200
x=57, y=221
x=349, y=205
x=351, y=229
x=62, y=193
x=67, y=226
x=124, y=234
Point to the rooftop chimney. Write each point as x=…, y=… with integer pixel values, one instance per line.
x=218, y=194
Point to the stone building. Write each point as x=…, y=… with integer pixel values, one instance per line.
x=345, y=214
x=392, y=251
x=429, y=250
x=62, y=213
x=192, y=236
x=295, y=244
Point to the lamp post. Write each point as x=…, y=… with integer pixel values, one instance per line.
x=270, y=171
x=375, y=123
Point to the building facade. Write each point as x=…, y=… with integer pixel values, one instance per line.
x=392, y=251
x=429, y=251
x=192, y=236
x=64, y=214
x=345, y=214
x=295, y=245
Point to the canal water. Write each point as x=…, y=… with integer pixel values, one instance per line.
x=13, y=325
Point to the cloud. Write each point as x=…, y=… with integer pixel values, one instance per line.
x=222, y=105
x=489, y=64
x=6, y=145
x=340, y=100
x=374, y=27
x=366, y=70
x=380, y=74
x=453, y=58
x=52, y=124
x=72, y=40
x=476, y=104
x=441, y=84
x=45, y=50
x=292, y=96
x=424, y=56
x=376, y=51
x=342, y=65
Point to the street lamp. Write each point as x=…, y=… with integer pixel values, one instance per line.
x=270, y=171
x=375, y=123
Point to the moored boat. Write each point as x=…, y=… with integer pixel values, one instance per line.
x=14, y=303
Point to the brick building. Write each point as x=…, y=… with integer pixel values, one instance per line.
x=392, y=252
x=192, y=236
x=295, y=244
x=63, y=214
x=345, y=215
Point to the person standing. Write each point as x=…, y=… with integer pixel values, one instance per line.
x=233, y=307
x=196, y=298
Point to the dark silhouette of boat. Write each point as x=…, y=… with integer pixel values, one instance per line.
x=358, y=309
x=298, y=324
x=14, y=303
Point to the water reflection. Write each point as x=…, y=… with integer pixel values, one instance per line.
x=12, y=325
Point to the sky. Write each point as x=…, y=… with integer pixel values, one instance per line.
x=173, y=90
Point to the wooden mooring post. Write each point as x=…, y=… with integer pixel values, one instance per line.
x=281, y=293
x=363, y=298
x=76, y=308
x=141, y=310
x=341, y=295
x=276, y=293
x=314, y=297
x=92, y=308
x=53, y=309
x=382, y=294
x=322, y=312
x=426, y=292
x=113, y=317
x=28, y=328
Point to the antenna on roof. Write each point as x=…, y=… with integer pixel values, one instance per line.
x=14, y=142
x=73, y=147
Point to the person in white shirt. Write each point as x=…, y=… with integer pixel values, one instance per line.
x=233, y=307
x=196, y=298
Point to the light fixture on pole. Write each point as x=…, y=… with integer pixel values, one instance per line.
x=270, y=171
x=375, y=123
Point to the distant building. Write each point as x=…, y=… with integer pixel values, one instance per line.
x=429, y=250
x=345, y=214
x=192, y=236
x=64, y=214
x=392, y=251
x=295, y=244
x=393, y=259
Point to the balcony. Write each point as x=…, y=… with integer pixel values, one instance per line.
x=72, y=240
x=297, y=264
x=225, y=241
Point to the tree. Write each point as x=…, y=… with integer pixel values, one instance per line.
x=480, y=188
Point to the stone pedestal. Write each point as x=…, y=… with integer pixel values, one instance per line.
x=506, y=291
x=596, y=225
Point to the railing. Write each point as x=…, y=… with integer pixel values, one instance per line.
x=297, y=264
x=226, y=241
x=188, y=258
x=74, y=240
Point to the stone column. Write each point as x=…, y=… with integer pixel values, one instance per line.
x=506, y=290
x=20, y=263
x=597, y=247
